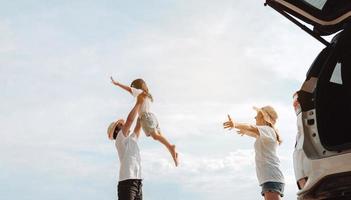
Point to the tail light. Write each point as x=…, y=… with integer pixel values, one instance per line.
x=296, y=103
x=302, y=182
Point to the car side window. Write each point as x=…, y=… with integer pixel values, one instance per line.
x=336, y=75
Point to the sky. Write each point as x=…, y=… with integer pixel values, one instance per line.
x=201, y=59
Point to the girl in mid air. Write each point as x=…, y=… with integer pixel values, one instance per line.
x=146, y=118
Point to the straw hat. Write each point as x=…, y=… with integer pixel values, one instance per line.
x=269, y=114
x=111, y=128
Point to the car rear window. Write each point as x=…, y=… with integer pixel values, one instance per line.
x=319, y=4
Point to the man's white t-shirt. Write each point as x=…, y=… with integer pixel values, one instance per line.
x=145, y=106
x=267, y=161
x=129, y=156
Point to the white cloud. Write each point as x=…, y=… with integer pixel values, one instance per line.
x=7, y=39
x=211, y=176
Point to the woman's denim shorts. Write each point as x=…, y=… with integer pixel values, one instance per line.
x=273, y=187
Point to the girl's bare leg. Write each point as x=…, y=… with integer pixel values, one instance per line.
x=171, y=148
x=271, y=196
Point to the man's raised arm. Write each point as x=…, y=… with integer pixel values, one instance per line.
x=131, y=116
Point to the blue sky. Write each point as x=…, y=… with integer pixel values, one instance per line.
x=201, y=60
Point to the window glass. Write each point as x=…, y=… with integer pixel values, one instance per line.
x=336, y=76
x=319, y=4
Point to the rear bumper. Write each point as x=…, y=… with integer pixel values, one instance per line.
x=327, y=177
x=334, y=186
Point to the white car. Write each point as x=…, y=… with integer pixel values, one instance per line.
x=322, y=155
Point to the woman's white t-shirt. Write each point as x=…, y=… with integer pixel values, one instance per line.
x=129, y=156
x=145, y=107
x=267, y=161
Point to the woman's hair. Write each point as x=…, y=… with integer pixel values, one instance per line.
x=140, y=84
x=279, y=139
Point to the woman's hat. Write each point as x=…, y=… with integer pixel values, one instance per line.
x=269, y=114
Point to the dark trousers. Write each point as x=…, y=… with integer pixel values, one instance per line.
x=130, y=190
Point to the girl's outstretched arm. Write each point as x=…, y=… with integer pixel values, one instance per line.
x=246, y=129
x=127, y=88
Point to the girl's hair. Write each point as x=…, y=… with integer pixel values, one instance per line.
x=140, y=84
x=279, y=139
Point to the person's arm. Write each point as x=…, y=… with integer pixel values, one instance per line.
x=137, y=128
x=126, y=88
x=246, y=129
x=131, y=116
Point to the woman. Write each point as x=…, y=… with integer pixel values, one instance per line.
x=268, y=171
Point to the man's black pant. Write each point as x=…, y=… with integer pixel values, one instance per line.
x=130, y=190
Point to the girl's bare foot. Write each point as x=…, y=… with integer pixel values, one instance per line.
x=174, y=155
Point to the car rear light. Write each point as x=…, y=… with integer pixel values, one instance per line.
x=296, y=104
x=301, y=183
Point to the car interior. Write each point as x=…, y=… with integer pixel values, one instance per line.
x=332, y=97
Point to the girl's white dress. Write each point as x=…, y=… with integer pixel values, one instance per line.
x=148, y=120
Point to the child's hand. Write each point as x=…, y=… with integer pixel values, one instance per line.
x=229, y=124
x=113, y=81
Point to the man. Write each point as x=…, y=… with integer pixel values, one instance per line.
x=130, y=181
